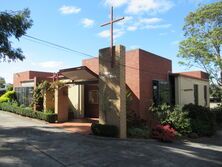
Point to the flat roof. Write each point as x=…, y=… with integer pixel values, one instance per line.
x=79, y=74
x=152, y=54
x=134, y=50
x=26, y=81
x=187, y=76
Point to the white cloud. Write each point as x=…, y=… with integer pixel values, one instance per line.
x=126, y=19
x=148, y=6
x=50, y=64
x=69, y=10
x=132, y=28
x=136, y=19
x=116, y=33
x=87, y=22
x=115, y=3
x=149, y=23
x=104, y=34
x=157, y=26
x=150, y=20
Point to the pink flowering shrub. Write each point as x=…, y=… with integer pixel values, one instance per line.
x=164, y=133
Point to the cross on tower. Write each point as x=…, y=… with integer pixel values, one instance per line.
x=111, y=35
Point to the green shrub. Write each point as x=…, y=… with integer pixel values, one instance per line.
x=174, y=116
x=134, y=121
x=22, y=106
x=218, y=114
x=28, y=108
x=179, y=120
x=104, y=130
x=138, y=132
x=14, y=103
x=195, y=111
x=7, y=97
x=4, y=99
x=203, y=120
x=9, y=87
x=136, y=127
x=49, y=117
x=192, y=118
x=161, y=112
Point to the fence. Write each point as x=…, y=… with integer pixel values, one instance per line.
x=24, y=95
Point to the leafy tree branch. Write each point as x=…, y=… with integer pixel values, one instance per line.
x=13, y=24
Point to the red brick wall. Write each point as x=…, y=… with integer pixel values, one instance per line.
x=27, y=75
x=18, y=77
x=92, y=64
x=38, y=74
x=141, y=69
x=133, y=77
x=152, y=67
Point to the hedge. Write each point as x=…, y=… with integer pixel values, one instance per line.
x=203, y=120
x=104, y=130
x=48, y=117
x=218, y=114
x=190, y=119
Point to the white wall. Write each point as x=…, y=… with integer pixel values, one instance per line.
x=76, y=100
x=184, y=90
x=27, y=84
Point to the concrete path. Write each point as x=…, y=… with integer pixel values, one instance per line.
x=82, y=126
x=25, y=142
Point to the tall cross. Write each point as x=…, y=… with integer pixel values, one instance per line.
x=112, y=21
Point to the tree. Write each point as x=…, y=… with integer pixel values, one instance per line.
x=13, y=24
x=203, y=38
x=215, y=92
x=2, y=82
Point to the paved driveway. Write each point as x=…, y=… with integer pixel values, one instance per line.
x=25, y=142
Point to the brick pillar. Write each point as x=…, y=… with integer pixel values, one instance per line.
x=62, y=104
x=112, y=89
x=35, y=86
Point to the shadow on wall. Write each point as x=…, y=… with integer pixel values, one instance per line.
x=72, y=110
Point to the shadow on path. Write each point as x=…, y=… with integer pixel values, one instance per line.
x=42, y=146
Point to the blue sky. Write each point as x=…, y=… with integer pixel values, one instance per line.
x=153, y=25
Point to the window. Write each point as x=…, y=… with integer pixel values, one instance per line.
x=161, y=92
x=155, y=92
x=205, y=95
x=93, y=97
x=196, y=99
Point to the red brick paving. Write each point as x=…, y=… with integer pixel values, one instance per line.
x=82, y=126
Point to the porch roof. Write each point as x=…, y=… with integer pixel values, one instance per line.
x=79, y=74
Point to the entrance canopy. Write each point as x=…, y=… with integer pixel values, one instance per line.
x=80, y=74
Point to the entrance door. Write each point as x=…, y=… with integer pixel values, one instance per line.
x=91, y=101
